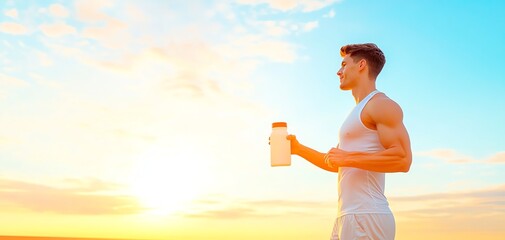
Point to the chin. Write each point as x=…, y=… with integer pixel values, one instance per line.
x=344, y=88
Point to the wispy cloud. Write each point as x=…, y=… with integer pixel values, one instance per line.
x=58, y=10
x=44, y=59
x=497, y=158
x=453, y=210
x=57, y=29
x=226, y=209
x=257, y=46
x=92, y=10
x=309, y=26
x=466, y=214
x=313, y=5
x=225, y=213
x=456, y=205
x=8, y=81
x=112, y=34
x=453, y=156
x=330, y=14
x=290, y=5
x=282, y=28
x=470, y=212
x=13, y=28
x=110, y=88
x=13, y=13
x=85, y=198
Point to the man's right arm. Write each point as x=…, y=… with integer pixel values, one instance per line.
x=309, y=154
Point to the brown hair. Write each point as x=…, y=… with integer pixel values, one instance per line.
x=370, y=52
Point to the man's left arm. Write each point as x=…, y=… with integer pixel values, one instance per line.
x=396, y=156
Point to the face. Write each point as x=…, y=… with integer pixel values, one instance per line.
x=348, y=73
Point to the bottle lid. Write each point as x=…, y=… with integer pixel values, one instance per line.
x=279, y=124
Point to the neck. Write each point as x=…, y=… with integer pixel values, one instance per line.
x=359, y=93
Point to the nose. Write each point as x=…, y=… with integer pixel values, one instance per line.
x=339, y=73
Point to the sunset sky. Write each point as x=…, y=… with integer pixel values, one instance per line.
x=150, y=119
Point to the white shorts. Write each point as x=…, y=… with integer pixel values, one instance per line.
x=373, y=226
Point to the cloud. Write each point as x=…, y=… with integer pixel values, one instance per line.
x=145, y=98
x=111, y=105
x=453, y=156
x=112, y=35
x=480, y=209
x=309, y=26
x=267, y=208
x=497, y=158
x=187, y=68
x=13, y=13
x=275, y=4
x=110, y=32
x=449, y=155
x=8, y=81
x=68, y=51
x=44, y=59
x=313, y=5
x=227, y=213
x=256, y=46
x=274, y=28
x=13, y=28
x=289, y=5
x=58, y=10
x=90, y=185
x=281, y=28
x=330, y=14
x=91, y=10
x=57, y=29
x=42, y=81
x=87, y=199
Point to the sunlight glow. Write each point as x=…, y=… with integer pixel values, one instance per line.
x=166, y=179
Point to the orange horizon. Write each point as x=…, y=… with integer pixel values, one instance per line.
x=56, y=238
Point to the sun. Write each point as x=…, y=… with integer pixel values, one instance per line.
x=167, y=179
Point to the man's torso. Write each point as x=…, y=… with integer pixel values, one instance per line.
x=360, y=191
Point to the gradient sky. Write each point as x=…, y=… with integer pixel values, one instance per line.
x=150, y=119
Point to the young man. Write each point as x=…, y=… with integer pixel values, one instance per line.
x=372, y=141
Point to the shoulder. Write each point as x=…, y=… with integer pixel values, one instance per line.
x=383, y=109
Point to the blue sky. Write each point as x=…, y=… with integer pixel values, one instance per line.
x=129, y=97
x=443, y=67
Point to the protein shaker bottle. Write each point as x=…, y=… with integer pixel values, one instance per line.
x=280, y=147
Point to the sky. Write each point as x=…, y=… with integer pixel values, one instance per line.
x=150, y=119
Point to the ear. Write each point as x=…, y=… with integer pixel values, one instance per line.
x=362, y=64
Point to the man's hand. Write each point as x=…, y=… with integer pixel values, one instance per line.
x=295, y=145
x=335, y=157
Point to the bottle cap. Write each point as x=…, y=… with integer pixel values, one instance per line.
x=279, y=124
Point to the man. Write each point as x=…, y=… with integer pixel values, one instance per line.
x=372, y=141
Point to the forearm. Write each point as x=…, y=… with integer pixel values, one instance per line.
x=314, y=157
x=389, y=160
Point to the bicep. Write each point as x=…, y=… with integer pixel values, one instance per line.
x=390, y=128
x=394, y=136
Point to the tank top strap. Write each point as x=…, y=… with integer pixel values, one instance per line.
x=365, y=100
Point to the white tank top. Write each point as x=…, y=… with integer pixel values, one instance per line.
x=360, y=191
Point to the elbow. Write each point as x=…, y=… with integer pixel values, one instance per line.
x=407, y=162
